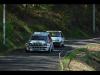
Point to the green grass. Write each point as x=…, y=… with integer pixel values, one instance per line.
x=82, y=55
x=67, y=58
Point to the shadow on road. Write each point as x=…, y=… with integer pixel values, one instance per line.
x=38, y=61
x=35, y=61
x=22, y=52
x=55, y=52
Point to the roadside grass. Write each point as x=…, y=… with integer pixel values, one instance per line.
x=14, y=39
x=82, y=59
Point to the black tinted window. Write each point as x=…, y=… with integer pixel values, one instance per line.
x=39, y=37
x=55, y=34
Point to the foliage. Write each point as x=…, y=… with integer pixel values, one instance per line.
x=75, y=21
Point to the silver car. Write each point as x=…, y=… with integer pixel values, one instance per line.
x=40, y=41
x=57, y=37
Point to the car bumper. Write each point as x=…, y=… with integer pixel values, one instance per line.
x=57, y=43
x=35, y=48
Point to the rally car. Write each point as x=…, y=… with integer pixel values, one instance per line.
x=40, y=41
x=57, y=37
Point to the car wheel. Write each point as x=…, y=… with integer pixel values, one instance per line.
x=26, y=51
x=62, y=45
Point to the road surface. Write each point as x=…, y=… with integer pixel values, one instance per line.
x=19, y=60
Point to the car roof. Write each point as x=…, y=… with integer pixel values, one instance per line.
x=53, y=31
x=41, y=33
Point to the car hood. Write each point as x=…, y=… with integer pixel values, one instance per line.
x=37, y=41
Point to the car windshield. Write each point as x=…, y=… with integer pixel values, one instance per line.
x=55, y=34
x=36, y=37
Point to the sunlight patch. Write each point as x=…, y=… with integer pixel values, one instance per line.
x=93, y=47
x=76, y=65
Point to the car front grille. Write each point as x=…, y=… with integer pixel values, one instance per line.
x=56, y=43
x=38, y=48
x=35, y=44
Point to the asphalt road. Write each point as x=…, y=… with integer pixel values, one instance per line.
x=19, y=60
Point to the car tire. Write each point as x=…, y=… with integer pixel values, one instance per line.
x=62, y=45
x=26, y=51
